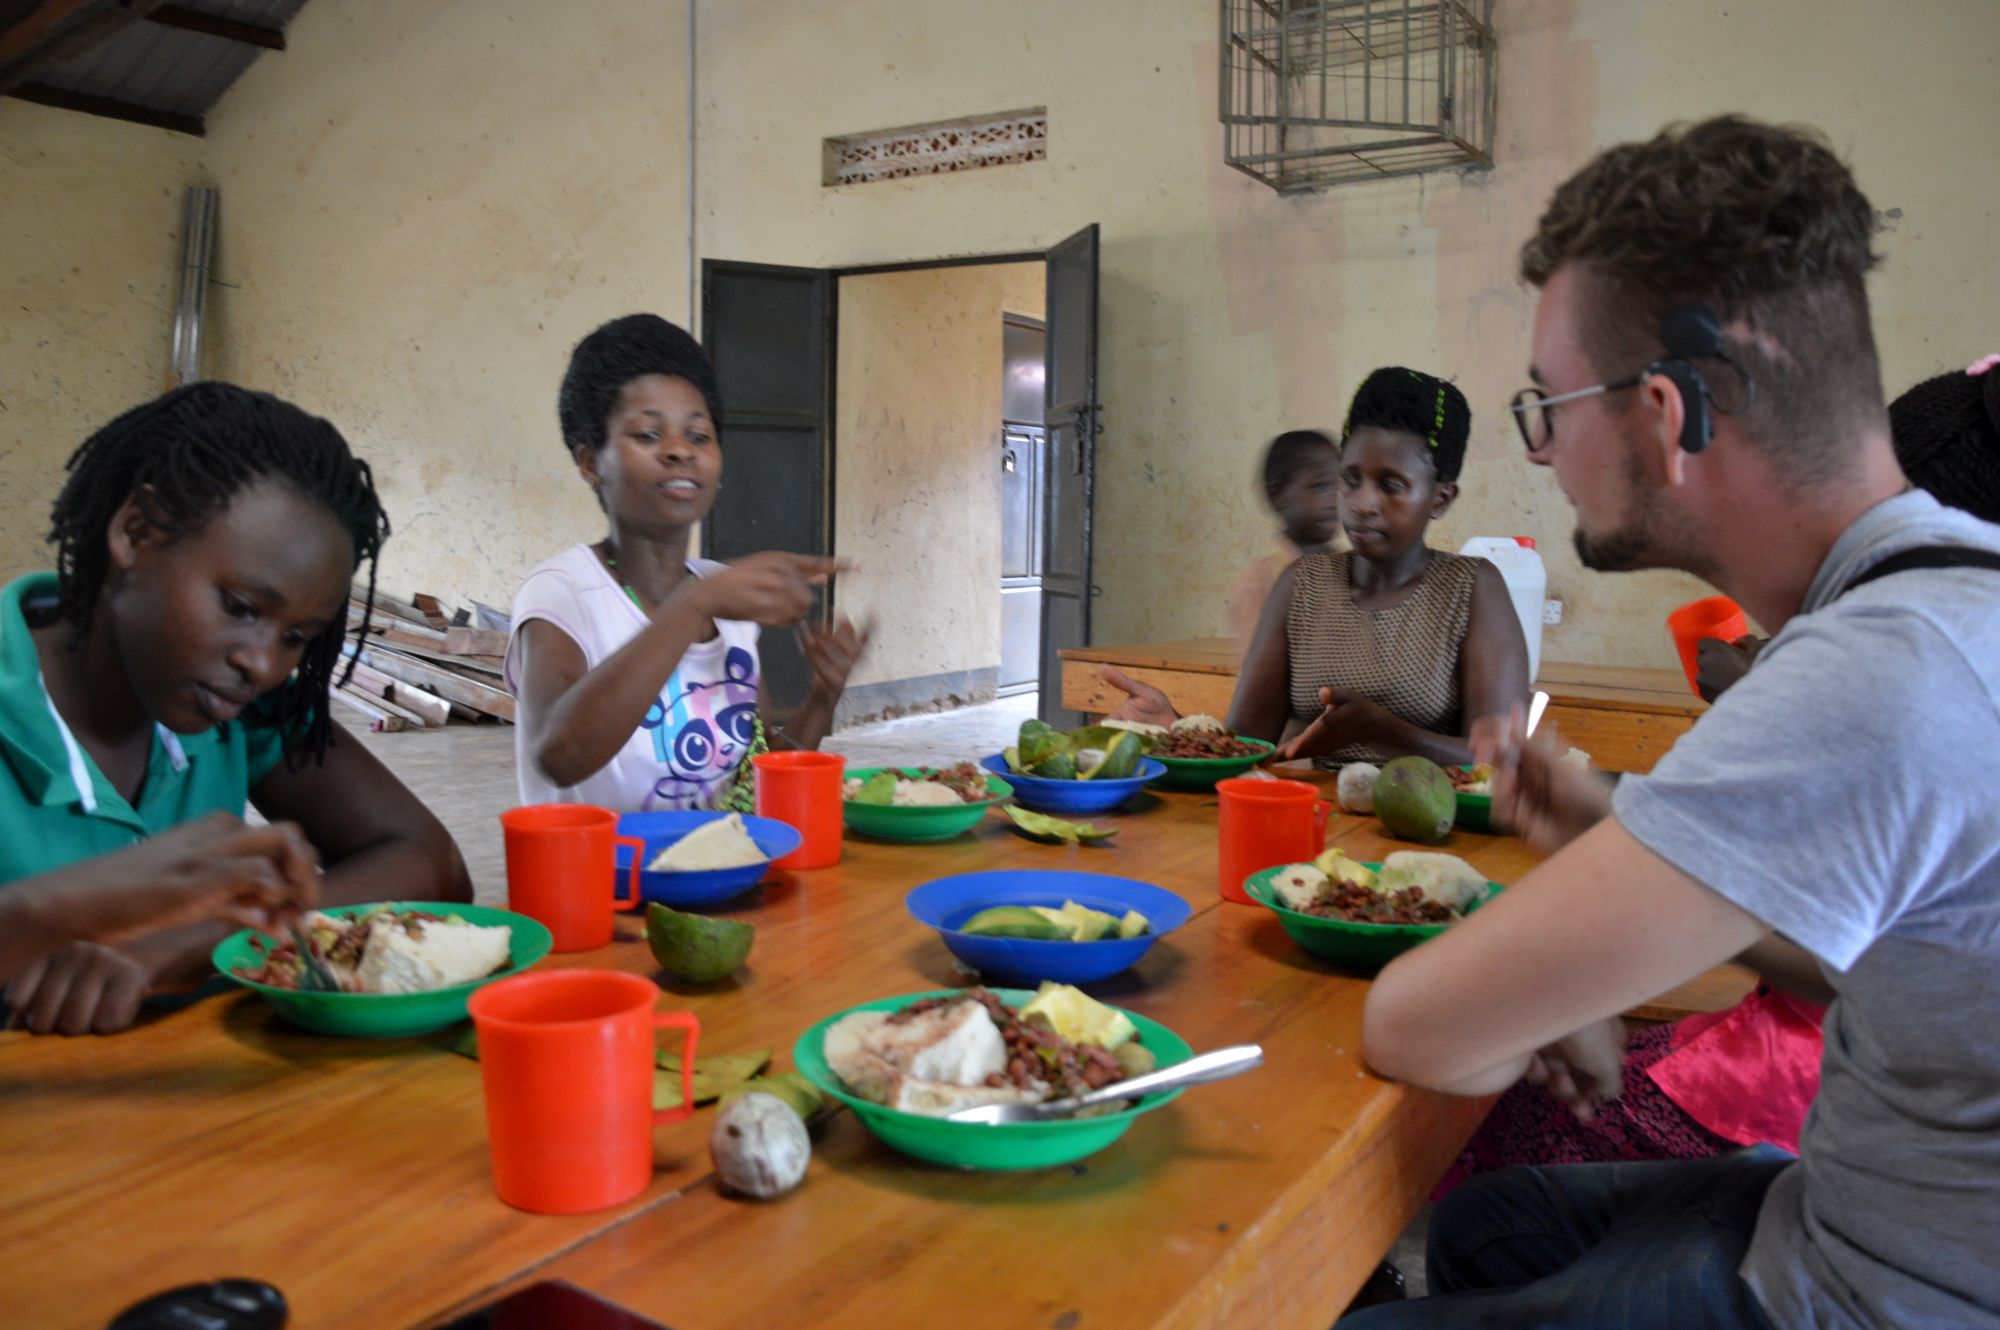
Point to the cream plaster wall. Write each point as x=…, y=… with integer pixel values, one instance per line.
x=424, y=207
x=90, y=215
x=916, y=462
x=1230, y=313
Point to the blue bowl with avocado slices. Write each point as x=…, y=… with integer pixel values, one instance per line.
x=1067, y=796
x=948, y=903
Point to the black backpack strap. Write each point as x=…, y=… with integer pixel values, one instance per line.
x=1927, y=556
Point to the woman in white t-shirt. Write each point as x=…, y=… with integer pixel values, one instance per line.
x=634, y=665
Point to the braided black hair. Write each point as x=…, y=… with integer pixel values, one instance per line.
x=1413, y=402
x=614, y=355
x=1289, y=454
x=1947, y=436
x=181, y=458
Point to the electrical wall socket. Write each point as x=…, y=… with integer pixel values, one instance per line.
x=1552, y=611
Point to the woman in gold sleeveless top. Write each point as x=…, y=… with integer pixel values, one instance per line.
x=1391, y=648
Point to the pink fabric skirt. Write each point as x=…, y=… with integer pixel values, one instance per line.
x=1697, y=1088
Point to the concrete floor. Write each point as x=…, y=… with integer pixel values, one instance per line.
x=465, y=773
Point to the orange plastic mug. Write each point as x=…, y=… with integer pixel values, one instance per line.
x=1711, y=616
x=559, y=857
x=1265, y=823
x=803, y=790
x=567, y=1059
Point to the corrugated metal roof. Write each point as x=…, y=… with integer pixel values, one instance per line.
x=171, y=70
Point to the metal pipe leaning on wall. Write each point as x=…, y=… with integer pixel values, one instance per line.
x=198, y=207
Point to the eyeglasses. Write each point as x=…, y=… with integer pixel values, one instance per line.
x=1535, y=411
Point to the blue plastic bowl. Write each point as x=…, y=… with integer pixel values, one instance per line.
x=950, y=901
x=1073, y=796
x=659, y=830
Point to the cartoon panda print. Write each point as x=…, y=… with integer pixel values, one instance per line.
x=701, y=732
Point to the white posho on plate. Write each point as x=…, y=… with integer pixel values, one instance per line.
x=723, y=843
x=449, y=952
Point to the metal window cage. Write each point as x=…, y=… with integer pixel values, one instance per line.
x=1322, y=94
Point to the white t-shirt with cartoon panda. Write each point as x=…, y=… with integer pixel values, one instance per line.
x=696, y=733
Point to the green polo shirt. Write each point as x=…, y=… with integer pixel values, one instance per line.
x=55, y=805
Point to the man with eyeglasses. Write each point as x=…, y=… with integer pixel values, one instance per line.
x=1708, y=395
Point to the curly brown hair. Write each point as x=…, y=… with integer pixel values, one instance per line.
x=1763, y=224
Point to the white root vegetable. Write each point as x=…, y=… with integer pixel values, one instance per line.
x=759, y=1146
x=1356, y=786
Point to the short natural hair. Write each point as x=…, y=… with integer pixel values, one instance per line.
x=1289, y=454
x=1764, y=225
x=615, y=354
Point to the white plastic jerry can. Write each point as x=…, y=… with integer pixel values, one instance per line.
x=1527, y=584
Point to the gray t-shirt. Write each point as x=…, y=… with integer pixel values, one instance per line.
x=1847, y=792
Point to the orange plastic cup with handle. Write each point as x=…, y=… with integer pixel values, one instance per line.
x=1265, y=823
x=561, y=859
x=1711, y=616
x=567, y=1059
x=802, y=789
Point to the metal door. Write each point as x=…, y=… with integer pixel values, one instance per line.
x=770, y=333
x=1073, y=427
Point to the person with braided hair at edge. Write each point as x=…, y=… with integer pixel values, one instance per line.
x=175, y=668
x=1302, y=487
x=1947, y=436
x=635, y=665
x=1392, y=648
x=1706, y=390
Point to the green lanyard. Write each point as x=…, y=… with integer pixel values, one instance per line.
x=611, y=562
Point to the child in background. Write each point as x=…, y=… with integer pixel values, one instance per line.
x=177, y=664
x=1302, y=485
x=634, y=664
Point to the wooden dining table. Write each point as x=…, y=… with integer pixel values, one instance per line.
x=216, y=1140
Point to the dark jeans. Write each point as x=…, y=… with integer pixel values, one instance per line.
x=1651, y=1246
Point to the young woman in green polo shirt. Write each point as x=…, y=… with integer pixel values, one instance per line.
x=177, y=664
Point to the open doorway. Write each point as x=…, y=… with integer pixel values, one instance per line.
x=869, y=407
x=922, y=500
x=1024, y=474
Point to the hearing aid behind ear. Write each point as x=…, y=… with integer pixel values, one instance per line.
x=1690, y=333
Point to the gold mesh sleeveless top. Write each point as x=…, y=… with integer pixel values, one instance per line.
x=1405, y=658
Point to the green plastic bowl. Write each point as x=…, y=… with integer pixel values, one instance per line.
x=1201, y=773
x=1475, y=812
x=1009, y=1145
x=1340, y=940
x=385, y=1015
x=925, y=823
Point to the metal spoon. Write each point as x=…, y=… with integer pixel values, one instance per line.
x=1536, y=706
x=315, y=976
x=1214, y=1066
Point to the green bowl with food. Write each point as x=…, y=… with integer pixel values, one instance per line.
x=1473, y=789
x=259, y=964
x=1365, y=944
x=971, y=1145
x=1201, y=773
x=869, y=791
